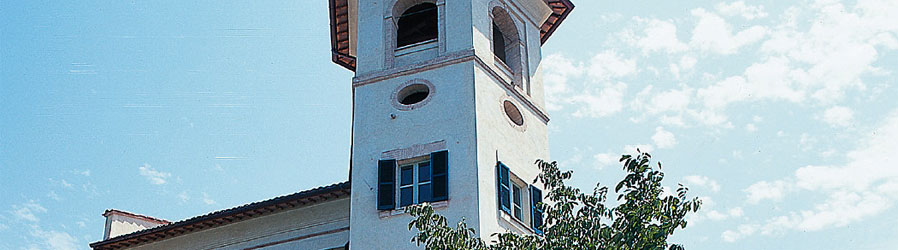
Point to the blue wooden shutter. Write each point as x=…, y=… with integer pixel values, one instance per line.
x=439, y=162
x=386, y=184
x=536, y=214
x=502, y=183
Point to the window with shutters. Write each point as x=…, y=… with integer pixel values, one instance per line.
x=518, y=200
x=516, y=208
x=414, y=184
x=412, y=181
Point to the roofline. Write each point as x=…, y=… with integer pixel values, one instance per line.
x=560, y=10
x=227, y=216
x=134, y=216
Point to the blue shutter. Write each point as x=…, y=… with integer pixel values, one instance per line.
x=502, y=182
x=536, y=214
x=386, y=184
x=439, y=162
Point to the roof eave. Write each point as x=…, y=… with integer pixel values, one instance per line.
x=227, y=216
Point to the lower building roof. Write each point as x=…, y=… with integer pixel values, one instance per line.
x=227, y=216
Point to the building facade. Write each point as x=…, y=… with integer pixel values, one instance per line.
x=448, y=109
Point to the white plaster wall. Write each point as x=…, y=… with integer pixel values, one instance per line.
x=316, y=218
x=372, y=42
x=465, y=111
x=496, y=137
x=482, y=23
x=449, y=116
x=121, y=225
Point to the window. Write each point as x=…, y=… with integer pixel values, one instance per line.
x=516, y=201
x=415, y=185
x=417, y=24
x=499, y=44
x=418, y=180
x=513, y=113
x=506, y=43
x=511, y=194
x=412, y=94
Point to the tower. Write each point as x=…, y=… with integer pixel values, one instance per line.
x=448, y=108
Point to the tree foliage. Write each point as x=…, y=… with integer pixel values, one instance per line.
x=643, y=219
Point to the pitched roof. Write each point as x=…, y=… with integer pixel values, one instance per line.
x=110, y=212
x=340, y=40
x=227, y=216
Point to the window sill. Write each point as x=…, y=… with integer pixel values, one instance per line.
x=503, y=68
x=514, y=222
x=415, y=47
x=401, y=211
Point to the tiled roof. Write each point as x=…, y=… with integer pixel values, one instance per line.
x=560, y=10
x=339, y=15
x=227, y=216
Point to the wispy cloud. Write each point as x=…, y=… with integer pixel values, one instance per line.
x=838, y=116
x=28, y=211
x=155, y=177
x=663, y=138
x=865, y=186
x=207, y=199
x=54, y=240
x=702, y=181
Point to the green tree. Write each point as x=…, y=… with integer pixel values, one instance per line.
x=643, y=219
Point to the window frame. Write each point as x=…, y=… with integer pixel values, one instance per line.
x=400, y=15
x=524, y=219
x=415, y=164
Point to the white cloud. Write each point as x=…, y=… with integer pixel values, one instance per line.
x=719, y=216
x=52, y=195
x=183, y=196
x=834, y=63
x=740, y=9
x=558, y=71
x=664, y=138
x=861, y=188
x=751, y=127
x=65, y=184
x=702, y=181
x=54, y=240
x=83, y=172
x=605, y=159
x=714, y=34
x=675, y=100
x=659, y=35
x=838, y=116
x=607, y=101
x=155, y=177
x=609, y=65
x=207, y=200
x=767, y=191
x=28, y=211
x=740, y=232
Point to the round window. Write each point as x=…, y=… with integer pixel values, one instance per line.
x=513, y=113
x=412, y=94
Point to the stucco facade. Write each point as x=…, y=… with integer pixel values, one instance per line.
x=440, y=119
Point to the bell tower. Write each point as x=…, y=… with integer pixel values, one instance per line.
x=448, y=108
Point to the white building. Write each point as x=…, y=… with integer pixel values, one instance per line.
x=448, y=109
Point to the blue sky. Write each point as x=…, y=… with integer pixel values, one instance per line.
x=779, y=114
